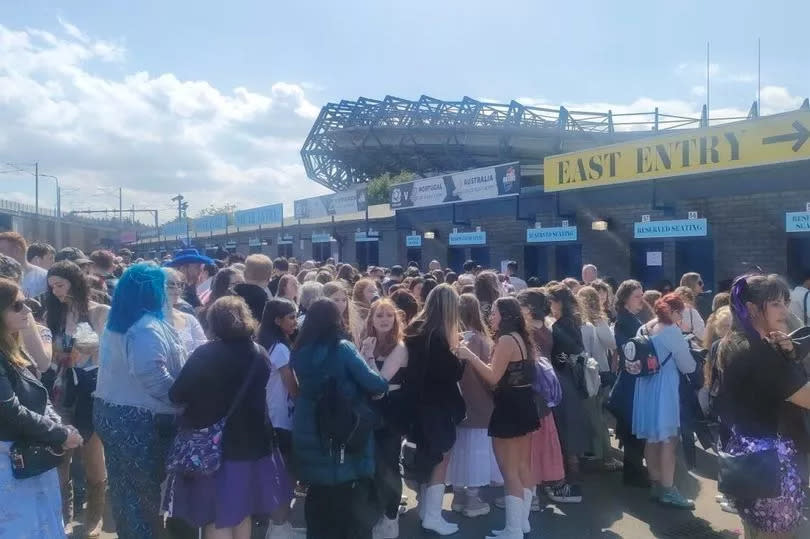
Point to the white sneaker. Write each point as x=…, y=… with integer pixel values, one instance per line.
x=285, y=531
x=475, y=507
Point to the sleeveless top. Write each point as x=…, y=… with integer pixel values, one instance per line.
x=518, y=373
x=63, y=343
x=395, y=380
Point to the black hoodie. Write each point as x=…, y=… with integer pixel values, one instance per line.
x=255, y=296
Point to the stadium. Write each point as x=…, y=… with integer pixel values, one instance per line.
x=647, y=195
x=354, y=141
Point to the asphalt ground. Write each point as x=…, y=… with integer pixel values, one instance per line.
x=608, y=510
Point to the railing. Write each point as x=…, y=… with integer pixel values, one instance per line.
x=11, y=206
x=428, y=111
x=324, y=164
x=19, y=207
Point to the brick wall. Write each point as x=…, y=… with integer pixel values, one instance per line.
x=745, y=230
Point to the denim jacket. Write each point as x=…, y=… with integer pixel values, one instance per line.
x=137, y=368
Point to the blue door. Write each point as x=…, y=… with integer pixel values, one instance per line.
x=456, y=258
x=695, y=254
x=414, y=254
x=535, y=259
x=480, y=255
x=285, y=250
x=568, y=261
x=798, y=258
x=368, y=254
x=645, y=264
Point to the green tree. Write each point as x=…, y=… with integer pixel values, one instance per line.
x=226, y=208
x=379, y=188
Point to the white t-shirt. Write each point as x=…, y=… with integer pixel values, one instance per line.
x=34, y=281
x=517, y=283
x=279, y=403
x=192, y=333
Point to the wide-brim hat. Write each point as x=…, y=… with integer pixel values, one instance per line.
x=187, y=256
x=72, y=254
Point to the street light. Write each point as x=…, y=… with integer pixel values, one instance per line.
x=58, y=207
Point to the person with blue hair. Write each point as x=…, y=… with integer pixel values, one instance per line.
x=141, y=355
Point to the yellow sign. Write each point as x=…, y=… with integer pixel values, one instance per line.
x=773, y=139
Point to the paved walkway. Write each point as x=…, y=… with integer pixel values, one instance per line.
x=608, y=510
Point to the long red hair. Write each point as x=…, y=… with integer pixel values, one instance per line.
x=387, y=342
x=667, y=305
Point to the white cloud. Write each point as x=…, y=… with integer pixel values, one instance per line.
x=778, y=99
x=153, y=134
x=717, y=73
x=73, y=31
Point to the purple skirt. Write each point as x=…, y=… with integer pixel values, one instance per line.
x=237, y=490
x=774, y=515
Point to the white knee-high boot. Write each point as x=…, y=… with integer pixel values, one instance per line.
x=433, y=520
x=514, y=520
x=528, y=494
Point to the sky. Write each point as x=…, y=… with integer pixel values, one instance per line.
x=214, y=99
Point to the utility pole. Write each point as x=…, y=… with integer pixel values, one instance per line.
x=182, y=208
x=36, y=191
x=179, y=200
x=36, y=200
x=120, y=206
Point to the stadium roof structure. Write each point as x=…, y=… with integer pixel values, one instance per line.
x=354, y=141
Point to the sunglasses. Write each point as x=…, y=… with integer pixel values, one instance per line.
x=174, y=284
x=700, y=283
x=18, y=306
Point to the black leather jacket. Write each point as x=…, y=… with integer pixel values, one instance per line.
x=25, y=411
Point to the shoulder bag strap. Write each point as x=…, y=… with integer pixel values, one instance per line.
x=517, y=342
x=804, y=312
x=240, y=395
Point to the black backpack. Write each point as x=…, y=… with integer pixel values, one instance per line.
x=697, y=379
x=343, y=426
x=640, y=358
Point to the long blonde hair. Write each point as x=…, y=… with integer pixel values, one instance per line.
x=359, y=291
x=351, y=320
x=716, y=319
x=470, y=314
x=591, y=305
x=10, y=342
x=439, y=315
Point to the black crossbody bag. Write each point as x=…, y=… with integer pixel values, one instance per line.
x=30, y=459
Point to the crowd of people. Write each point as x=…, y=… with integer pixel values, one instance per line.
x=201, y=394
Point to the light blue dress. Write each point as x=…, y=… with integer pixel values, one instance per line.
x=29, y=508
x=656, y=404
